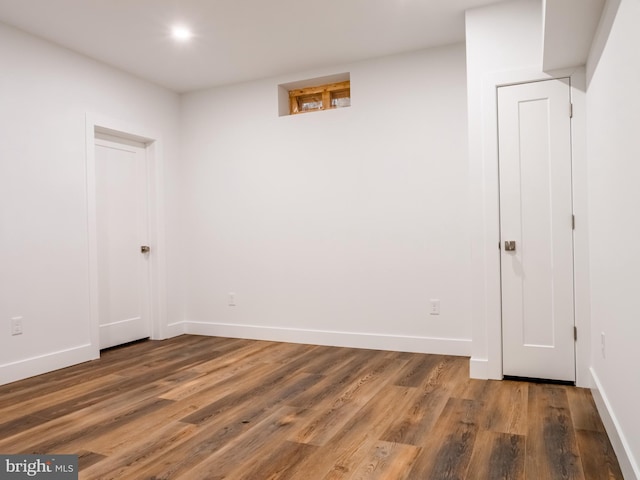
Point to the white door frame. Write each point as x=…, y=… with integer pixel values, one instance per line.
x=157, y=264
x=550, y=351
x=486, y=315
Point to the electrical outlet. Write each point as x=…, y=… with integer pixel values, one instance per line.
x=603, y=345
x=231, y=301
x=16, y=326
x=434, y=306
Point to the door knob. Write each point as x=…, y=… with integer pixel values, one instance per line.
x=510, y=246
x=145, y=249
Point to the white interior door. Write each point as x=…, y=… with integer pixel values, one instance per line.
x=122, y=229
x=536, y=214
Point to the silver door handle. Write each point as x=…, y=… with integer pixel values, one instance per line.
x=145, y=249
x=510, y=246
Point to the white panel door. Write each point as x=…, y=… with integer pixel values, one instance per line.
x=536, y=214
x=122, y=229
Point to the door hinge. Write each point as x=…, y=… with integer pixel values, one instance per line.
x=573, y=222
x=571, y=110
x=575, y=333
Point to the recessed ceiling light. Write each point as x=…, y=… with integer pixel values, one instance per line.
x=181, y=33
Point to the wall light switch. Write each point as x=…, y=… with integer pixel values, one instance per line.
x=232, y=299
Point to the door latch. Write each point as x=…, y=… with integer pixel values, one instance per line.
x=510, y=246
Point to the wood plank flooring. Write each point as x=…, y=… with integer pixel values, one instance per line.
x=215, y=408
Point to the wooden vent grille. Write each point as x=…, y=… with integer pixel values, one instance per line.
x=321, y=97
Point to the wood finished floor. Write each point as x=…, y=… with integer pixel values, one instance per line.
x=214, y=408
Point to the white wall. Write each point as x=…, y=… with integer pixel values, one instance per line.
x=333, y=227
x=502, y=37
x=504, y=46
x=45, y=94
x=613, y=104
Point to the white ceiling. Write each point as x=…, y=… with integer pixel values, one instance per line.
x=237, y=40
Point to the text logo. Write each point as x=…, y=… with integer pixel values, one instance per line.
x=50, y=467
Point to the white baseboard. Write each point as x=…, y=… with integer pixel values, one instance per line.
x=628, y=463
x=174, y=329
x=30, y=367
x=400, y=343
x=479, y=368
x=49, y=362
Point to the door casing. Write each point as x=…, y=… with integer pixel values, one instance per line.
x=95, y=123
x=486, y=319
x=536, y=207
